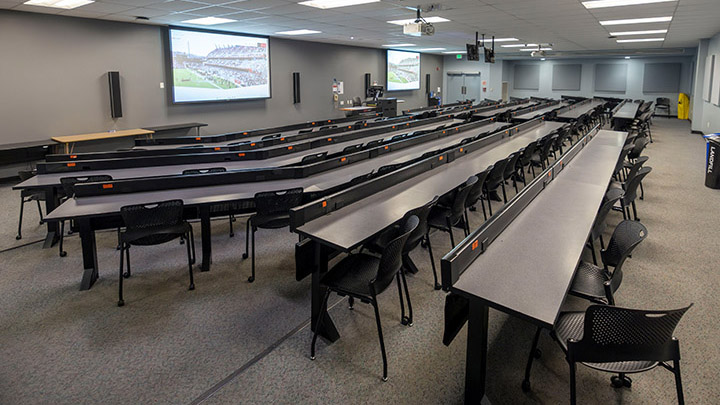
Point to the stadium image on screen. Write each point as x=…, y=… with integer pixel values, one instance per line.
x=209, y=66
x=403, y=70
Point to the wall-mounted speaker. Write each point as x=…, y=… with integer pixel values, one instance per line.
x=296, y=87
x=427, y=83
x=115, y=100
x=368, y=83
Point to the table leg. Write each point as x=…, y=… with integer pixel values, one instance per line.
x=206, y=236
x=477, y=345
x=89, y=252
x=327, y=327
x=53, y=229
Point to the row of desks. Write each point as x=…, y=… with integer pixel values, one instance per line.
x=574, y=112
x=532, y=114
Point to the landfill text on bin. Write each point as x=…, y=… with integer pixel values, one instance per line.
x=711, y=159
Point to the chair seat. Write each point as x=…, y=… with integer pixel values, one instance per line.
x=352, y=274
x=570, y=326
x=616, y=184
x=271, y=221
x=588, y=282
x=154, y=235
x=438, y=217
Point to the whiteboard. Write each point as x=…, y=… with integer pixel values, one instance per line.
x=715, y=92
x=709, y=62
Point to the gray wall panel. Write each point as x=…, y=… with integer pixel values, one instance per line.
x=527, y=77
x=661, y=78
x=611, y=77
x=567, y=77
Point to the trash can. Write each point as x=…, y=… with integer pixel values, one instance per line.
x=683, y=106
x=712, y=161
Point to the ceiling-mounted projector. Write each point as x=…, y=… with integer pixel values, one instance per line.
x=417, y=29
x=537, y=54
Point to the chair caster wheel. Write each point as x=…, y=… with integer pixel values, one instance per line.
x=117, y=247
x=232, y=235
x=423, y=244
x=121, y=303
x=18, y=237
x=351, y=307
x=126, y=275
x=405, y=321
x=526, y=385
x=251, y=279
x=182, y=241
x=245, y=256
x=537, y=354
x=192, y=287
x=384, y=379
x=438, y=286
x=63, y=254
x=619, y=382
x=312, y=357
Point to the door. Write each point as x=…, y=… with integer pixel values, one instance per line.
x=455, y=85
x=463, y=86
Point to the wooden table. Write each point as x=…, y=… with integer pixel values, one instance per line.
x=69, y=140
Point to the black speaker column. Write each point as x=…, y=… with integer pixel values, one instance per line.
x=115, y=100
x=427, y=83
x=367, y=82
x=296, y=87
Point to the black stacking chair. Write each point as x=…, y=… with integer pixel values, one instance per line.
x=638, y=147
x=272, y=212
x=305, y=131
x=27, y=196
x=364, y=276
x=68, y=185
x=612, y=196
x=231, y=217
x=542, y=153
x=314, y=158
x=524, y=161
x=153, y=224
x=617, y=340
x=352, y=148
x=631, y=187
x=509, y=172
x=598, y=284
x=493, y=181
x=620, y=164
x=327, y=127
x=418, y=236
x=374, y=143
x=388, y=168
x=662, y=103
x=445, y=218
x=476, y=193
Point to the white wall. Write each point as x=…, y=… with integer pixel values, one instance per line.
x=492, y=73
x=706, y=116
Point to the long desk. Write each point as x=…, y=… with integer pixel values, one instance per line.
x=625, y=115
x=574, y=112
x=497, y=111
x=89, y=212
x=551, y=233
x=69, y=140
x=532, y=114
x=351, y=226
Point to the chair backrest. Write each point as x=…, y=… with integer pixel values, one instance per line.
x=373, y=143
x=391, y=257
x=544, y=149
x=614, y=334
x=352, y=148
x=315, y=157
x=626, y=236
x=458, y=205
x=362, y=178
x=511, y=165
x=611, y=197
x=621, y=159
x=476, y=190
x=273, y=136
x=277, y=202
x=388, y=168
x=25, y=174
x=68, y=183
x=664, y=101
x=421, y=230
x=632, y=184
x=496, y=175
x=635, y=168
x=203, y=171
x=153, y=215
x=638, y=147
x=305, y=131
x=527, y=153
x=327, y=127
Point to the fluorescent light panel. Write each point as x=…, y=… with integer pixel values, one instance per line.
x=298, y=32
x=209, y=21
x=398, y=45
x=64, y=4
x=620, y=41
x=619, y=3
x=335, y=3
x=454, y=52
x=646, y=32
x=432, y=49
x=412, y=20
x=535, y=49
x=518, y=45
x=636, y=21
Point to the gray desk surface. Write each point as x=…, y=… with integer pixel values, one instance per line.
x=53, y=179
x=105, y=205
x=582, y=109
x=357, y=222
x=627, y=111
x=533, y=114
x=496, y=111
x=527, y=270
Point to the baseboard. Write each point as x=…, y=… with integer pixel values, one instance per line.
x=697, y=132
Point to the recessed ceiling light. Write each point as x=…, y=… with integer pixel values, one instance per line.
x=412, y=20
x=454, y=52
x=335, y=3
x=619, y=3
x=620, y=41
x=646, y=32
x=501, y=39
x=627, y=57
x=518, y=45
x=431, y=49
x=209, y=21
x=536, y=49
x=636, y=21
x=398, y=45
x=65, y=4
x=298, y=32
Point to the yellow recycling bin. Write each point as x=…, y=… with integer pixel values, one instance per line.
x=683, y=106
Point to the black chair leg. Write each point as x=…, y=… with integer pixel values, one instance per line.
x=252, y=276
x=190, y=262
x=247, y=237
x=504, y=193
x=192, y=244
x=22, y=207
x=317, y=326
x=403, y=319
x=642, y=192
x=351, y=302
x=432, y=261
x=61, y=252
x=232, y=219
x=118, y=240
x=602, y=243
x=634, y=208
x=127, y=258
x=592, y=249
x=407, y=296
x=450, y=231
x=534, y=353
x=678, y=382
x=39, y=211
x=121, y=302
x=380, y=336
x=482, y=203
x=573, y=400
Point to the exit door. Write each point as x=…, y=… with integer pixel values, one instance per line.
x=463, y=86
